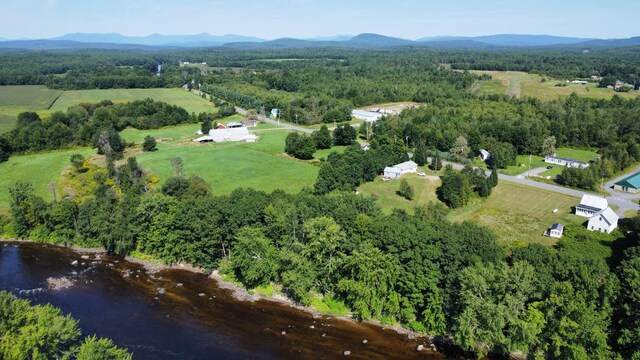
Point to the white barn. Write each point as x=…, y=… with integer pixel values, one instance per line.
x=604, y=221
x=240, y=134
x=395, y=171
x=368, y=116
x=589, y=205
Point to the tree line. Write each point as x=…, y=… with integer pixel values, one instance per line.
x=43, y=332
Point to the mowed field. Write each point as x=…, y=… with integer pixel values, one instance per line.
x=179, y=97
x=515, y=83
x=226, y=166
x=17, y=99
x=520, y=214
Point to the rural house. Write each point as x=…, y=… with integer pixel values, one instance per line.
x=484, y=155
x=556, y=230
x=629, y=184
x=565, y=162
x=604, y=221
x=589, y=205
x=394, y=172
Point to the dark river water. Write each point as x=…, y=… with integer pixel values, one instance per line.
x=191, y=317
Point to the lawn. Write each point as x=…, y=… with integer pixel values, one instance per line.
x=39, y=169
x=324, y=153
x=522, y=165
x=580, y=155
x=518, y=84
x=520, y=214
x=388, y=199
x=553, y=172
x=179, y=97
x=226, y=166
x=17, y=99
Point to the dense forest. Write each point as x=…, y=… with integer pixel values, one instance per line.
x=42, y=332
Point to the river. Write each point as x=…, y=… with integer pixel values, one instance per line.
x=179, y=314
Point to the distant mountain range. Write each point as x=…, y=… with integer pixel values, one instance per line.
x=118, y=41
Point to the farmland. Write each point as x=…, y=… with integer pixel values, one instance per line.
x=226, y=166
x=17, y=99
x=520, y=84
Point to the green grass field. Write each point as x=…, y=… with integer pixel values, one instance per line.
x=388, y=199
x=520, y=214
x=179, y=97
x=522, y=165
x=519, y=84
x=226, y=166
x=39, y=169
x=580, y=155
x=17, y=99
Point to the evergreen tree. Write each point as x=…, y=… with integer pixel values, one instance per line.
x=406, y=190
x=322, y=138
x=149, y=143
x=420, y=156
x=493, y=178
x=436, y=162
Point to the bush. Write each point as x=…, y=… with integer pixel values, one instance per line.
x=406, y=190
x=149, y=144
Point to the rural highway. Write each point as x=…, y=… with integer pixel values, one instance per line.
x=623, y=201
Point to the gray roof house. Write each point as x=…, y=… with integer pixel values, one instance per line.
x=394, y=172
x=604, y=221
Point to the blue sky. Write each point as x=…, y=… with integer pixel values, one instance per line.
x=271, y=19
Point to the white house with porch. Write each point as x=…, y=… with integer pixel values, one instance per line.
x=589, y=205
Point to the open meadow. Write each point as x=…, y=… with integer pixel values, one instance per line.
x=40, y=169
x=17, y=99
x=226, y=166
x=385, y=192
x=520, y=84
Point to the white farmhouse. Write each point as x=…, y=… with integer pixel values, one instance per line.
x=604, y=221
x=589, y=205
x=395, y=171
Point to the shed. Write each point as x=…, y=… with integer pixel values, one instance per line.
x=556, y=230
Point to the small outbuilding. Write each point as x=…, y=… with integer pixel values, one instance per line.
x=556, y=230
x=590, y=205
x=604, y=221
x=629, y=184
x=484, y=155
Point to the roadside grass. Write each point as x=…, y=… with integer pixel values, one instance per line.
x=227, y=166
x=553, y=172
x=630, y=213
x=386, y=192
x=522, y=165
x=40, y=169
x=531, y=85
x=17, y=99
x=520, y=214
x=191, y=102
x=577, y=154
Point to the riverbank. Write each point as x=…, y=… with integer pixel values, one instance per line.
x=240, y=293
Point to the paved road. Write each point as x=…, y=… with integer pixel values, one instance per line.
x=618, y=194
x=623, y=203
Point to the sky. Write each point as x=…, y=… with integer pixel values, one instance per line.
x=270, y=19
